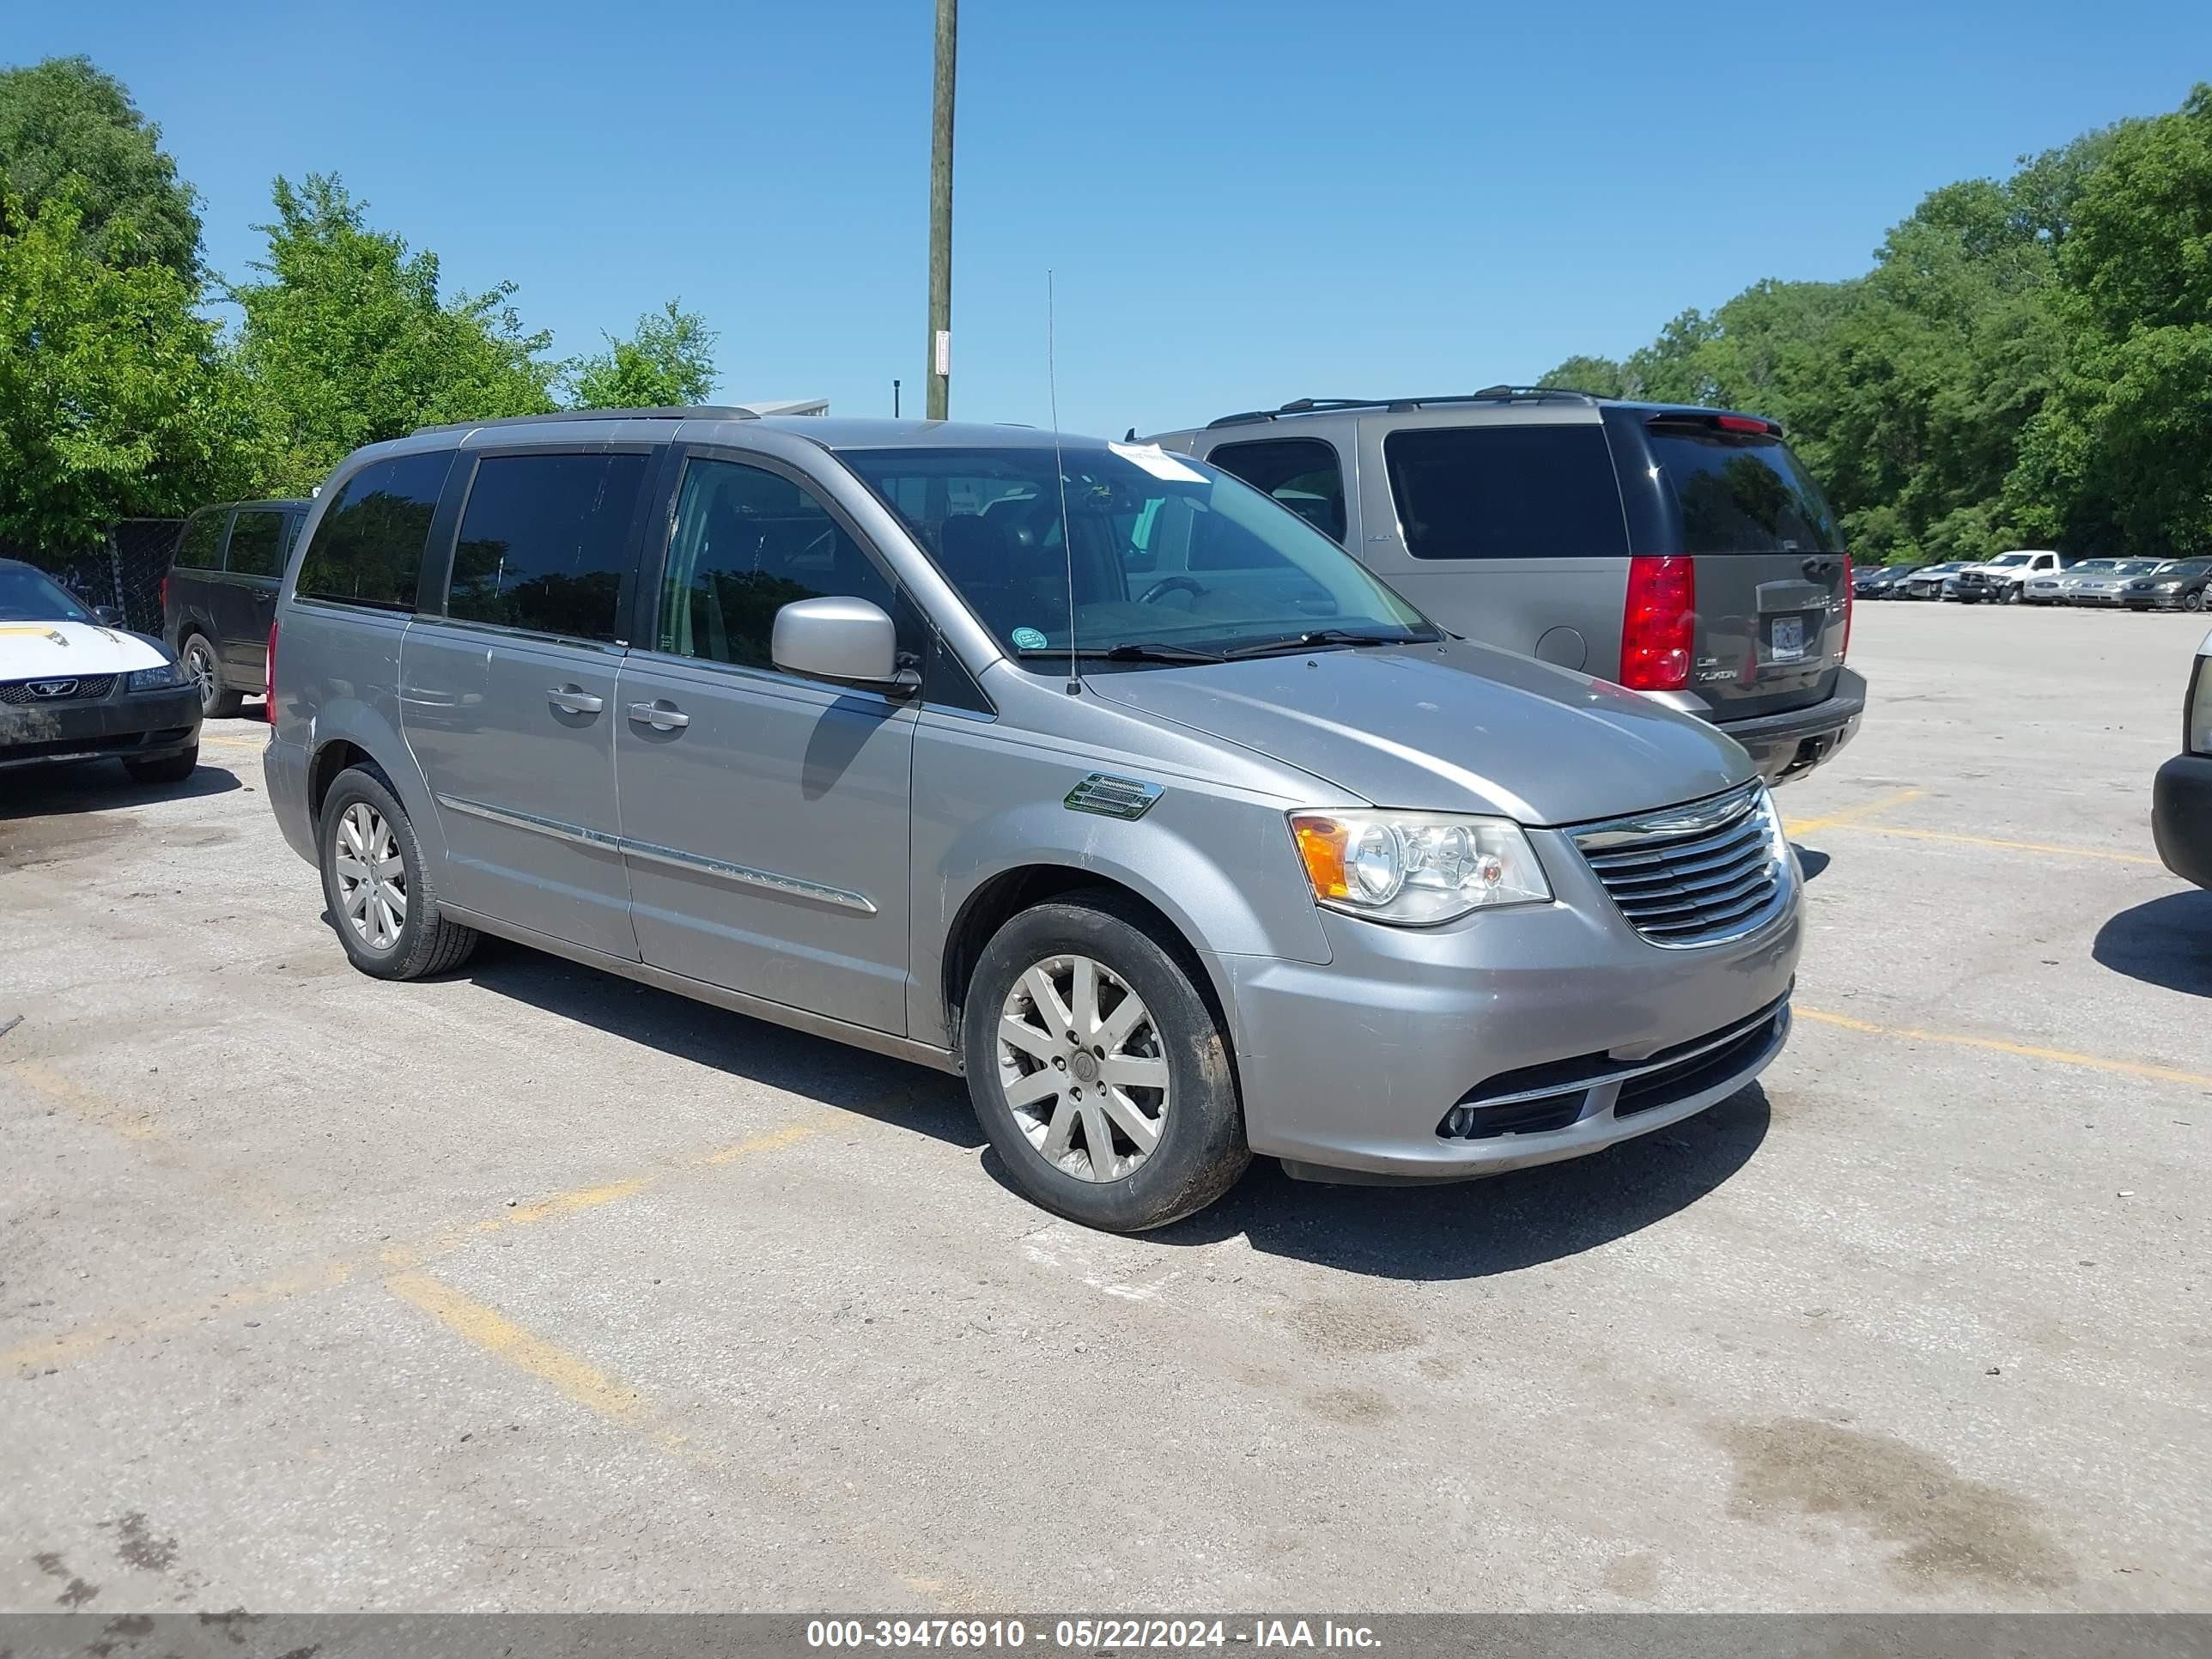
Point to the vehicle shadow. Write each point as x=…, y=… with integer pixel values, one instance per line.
x=2167, y=942
x=1811, y=861
x=892, y=1091
x=100, y=786
x=1472, y=1230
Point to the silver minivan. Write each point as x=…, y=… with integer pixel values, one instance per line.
x=1684, y=552
x=1082, y=769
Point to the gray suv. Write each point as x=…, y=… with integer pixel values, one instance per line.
x=1080, y=769
x=1682, y=552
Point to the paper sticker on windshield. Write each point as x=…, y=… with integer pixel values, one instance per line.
x=1029, y=639
x=1158, y=462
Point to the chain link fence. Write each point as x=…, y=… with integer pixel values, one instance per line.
x=125, y=571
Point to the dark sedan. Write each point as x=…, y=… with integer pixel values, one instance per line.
x=2177, y=585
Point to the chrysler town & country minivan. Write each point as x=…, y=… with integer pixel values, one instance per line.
x=1082, y=769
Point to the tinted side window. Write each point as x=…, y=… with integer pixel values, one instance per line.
x=1506, y=492
x=747, y=543
x=1303, y=474
x=368, y=548
x=200, y=545
x=544, y=542
x=256, y=545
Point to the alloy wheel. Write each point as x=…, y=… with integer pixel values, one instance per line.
x=1082, y=1066
x=371, y=877
x=200, y=670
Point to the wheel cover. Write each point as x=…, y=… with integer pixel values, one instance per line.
x=372, y=878
x=1082, y=1067
x=200, y=668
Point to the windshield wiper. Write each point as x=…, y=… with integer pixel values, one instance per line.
x=1135, y=651
x=1319, y=636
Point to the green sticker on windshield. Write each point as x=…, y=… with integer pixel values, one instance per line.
x=1029, y=639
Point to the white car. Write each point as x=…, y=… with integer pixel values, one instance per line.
x=2004, y=580
x=75, y=687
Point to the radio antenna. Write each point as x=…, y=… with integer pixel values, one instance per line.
x=1060, y=476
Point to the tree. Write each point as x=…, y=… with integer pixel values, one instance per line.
x=1582, y=372
x=668, y=361
x=350, y=343
x=68, y=129
x=115, y=399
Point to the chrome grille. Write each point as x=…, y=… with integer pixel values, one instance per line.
x=1696, y=874
x=80, y=688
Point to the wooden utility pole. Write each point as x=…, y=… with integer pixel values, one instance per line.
x=939, y=359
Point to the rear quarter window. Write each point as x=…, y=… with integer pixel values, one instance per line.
x=199, y=545
x=367, y=550
x=256, y=545
x=1506, y=492
x=1740, y=492
x=1303, y=474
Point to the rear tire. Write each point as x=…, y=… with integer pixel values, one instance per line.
x=2193, y=601
x=204, y=668
x=1083, y=1018
x=380, y=898
x=170, y=768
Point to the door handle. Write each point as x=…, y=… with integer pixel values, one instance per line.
x=569, y=700
x=660, y=716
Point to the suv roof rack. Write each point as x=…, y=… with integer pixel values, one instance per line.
x=1488, y=394
x=675, y=412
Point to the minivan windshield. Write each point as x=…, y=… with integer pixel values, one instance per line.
x=1172, y=559
x=27, y=596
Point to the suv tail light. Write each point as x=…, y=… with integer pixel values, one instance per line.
x=268, y=679
x=1846, y=651
x=1658, y=629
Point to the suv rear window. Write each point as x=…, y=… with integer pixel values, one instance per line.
x=1303, y=474
x=368, y=548
x=1740, y=492
x=1506, y=492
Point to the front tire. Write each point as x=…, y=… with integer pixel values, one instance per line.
x=203, y=668
x=169, y=768
x=1097, y=1070
x=380, y=895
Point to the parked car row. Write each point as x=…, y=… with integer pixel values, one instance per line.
x=2046, y=578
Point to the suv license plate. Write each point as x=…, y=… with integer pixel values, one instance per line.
x=1788, y=639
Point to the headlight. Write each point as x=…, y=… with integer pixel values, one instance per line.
x=163, y=678
x=2196, y=725
x=1417, y=868
x=2173, y=587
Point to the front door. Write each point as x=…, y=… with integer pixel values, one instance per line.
x=510, y=699
x=763, y=816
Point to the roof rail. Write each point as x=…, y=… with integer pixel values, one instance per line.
x=1322, y=405
x=696, y=412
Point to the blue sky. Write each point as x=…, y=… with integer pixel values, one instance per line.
x=1245, y=201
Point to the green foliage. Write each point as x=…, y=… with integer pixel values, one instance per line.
x=1601, y=375
x=2029, y=361
x=349, y=342
x=67, y=130
x=668, y=361
x=115, y=399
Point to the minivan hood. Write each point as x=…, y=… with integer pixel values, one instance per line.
x=1459, y=727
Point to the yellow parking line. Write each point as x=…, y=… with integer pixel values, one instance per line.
x=494, y=1332
x=2010, y=846
x=1851, y=815
x=1999, y=1046
x=54, y=1351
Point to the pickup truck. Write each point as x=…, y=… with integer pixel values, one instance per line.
x=2000, y=581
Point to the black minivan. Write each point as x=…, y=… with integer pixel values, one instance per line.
x=220, y=595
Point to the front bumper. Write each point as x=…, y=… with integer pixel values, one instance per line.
x=122, y=726
x=1790, y=745
x=1348, y=1068
x=2181, y=816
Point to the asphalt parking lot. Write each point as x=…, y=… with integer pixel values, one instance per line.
x=530, y=1288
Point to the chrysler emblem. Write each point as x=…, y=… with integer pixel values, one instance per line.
x=52, y=688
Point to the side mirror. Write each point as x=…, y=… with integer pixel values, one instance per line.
x=107, y=616
x=845, y=640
